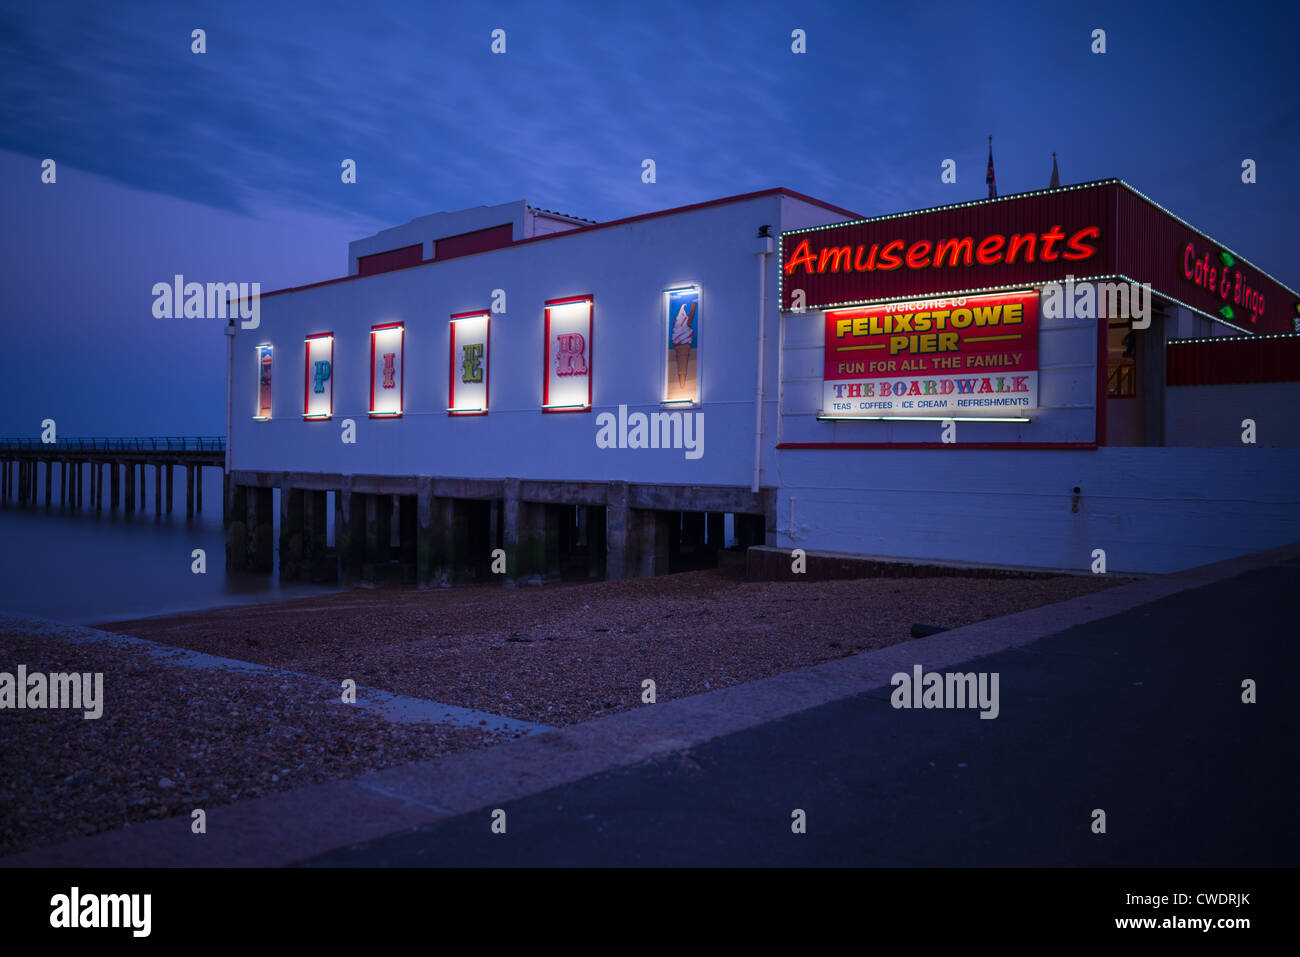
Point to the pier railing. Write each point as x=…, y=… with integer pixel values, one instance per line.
x=116, y=470
x=199, y=443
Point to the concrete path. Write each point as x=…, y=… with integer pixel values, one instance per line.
x=1129, y=702
x=1140, y=715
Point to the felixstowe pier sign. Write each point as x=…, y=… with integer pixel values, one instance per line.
x=1102, y=230
x=972, y=356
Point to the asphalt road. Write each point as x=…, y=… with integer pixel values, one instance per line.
x=1140, y=715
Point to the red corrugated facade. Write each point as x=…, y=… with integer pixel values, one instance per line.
x=481, y=240
x=1072, y=210
x=1121, y=232
x=390, y=260
x=1152, y=246
x=1236, y=359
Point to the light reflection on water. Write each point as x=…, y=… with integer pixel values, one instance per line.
x=83, y=567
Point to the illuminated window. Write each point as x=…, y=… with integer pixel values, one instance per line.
x=682, y=369
x=467, y=384
x=318, y=387
x=566, y=386
x=264, y=355
x=386, y=370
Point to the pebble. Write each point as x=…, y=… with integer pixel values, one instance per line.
x=713, y=634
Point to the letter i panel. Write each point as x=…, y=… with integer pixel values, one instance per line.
x=386, y=370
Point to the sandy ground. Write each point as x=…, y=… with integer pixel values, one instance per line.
x=172, y=739
x=565, y=653
x=175, y=738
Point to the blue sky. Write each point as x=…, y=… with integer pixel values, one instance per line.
x=225, y=166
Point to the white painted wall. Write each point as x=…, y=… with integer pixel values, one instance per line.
x=1067, y=391
x=625, y=268
x=794, y=215
x=1211, y=415
x=1151, y=509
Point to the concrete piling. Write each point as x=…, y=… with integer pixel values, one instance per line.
x=437, y=532
x=377, y=537
x=236, y=527
x=291, y=530
x=618, y=533
x=349, y=532
x=261, y=529
x=510, y=531
x=652, y=528
x=425, y=550
x=317, y=566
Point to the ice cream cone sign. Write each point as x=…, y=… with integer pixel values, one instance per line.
x=682, y=335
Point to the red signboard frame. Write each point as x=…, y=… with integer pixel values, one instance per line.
x=487, y=366
x=401, y=397
x=306, y=385
x=971, y=326
x=546, y=351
